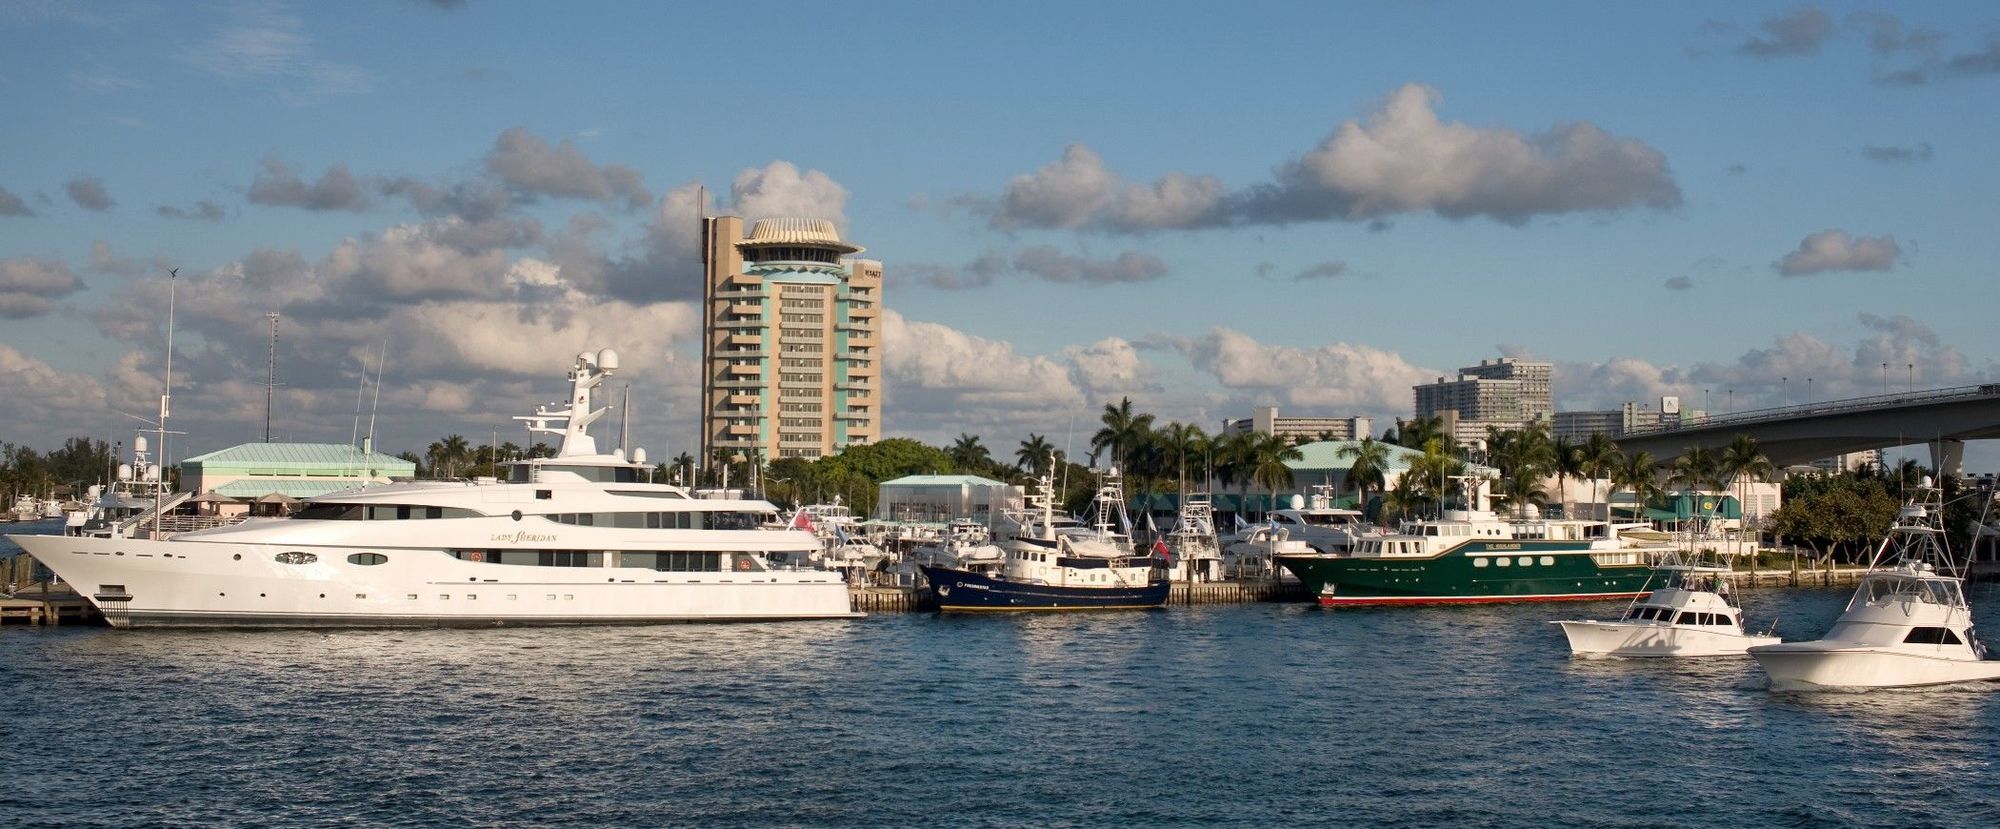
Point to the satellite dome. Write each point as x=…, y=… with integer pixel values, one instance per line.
x=607, y=359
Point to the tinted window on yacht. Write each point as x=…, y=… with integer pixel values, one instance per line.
x=680, y=561
x=329, y=512
x=1932, y=636
x=734, y=520
x=571, y=558
x=367, y=559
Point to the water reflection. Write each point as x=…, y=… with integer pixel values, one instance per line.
x=1246, y=715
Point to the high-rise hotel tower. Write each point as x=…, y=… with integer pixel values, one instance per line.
x=792, y=346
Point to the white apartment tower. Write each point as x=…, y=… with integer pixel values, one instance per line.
x=792, y=345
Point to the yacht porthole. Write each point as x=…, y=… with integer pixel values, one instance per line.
x=1548, y=561
x=1526, y=561
x=1479, y=562
x=238, y=556
x=517, y=515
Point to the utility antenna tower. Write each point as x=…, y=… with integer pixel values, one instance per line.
x=270, y=374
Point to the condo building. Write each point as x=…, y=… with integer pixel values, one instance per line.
x=792, y=341
x=1505, y=393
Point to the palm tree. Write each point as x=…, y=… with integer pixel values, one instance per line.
x=1235, y=457
x=1123, y=430
x=683, y=468
x=1398, y=501
x=1433, y=471
x=1597, y=457
x=1181, y=442
x=1641, y=474
x=1694, y=469
x=969, y=454
x=1568, y=464
x=1416, y=432
x=446, y=455
x=1269, y=469
x=1742, y=460
x=1035, y=455
x=1522, y=490
x=1371, y=459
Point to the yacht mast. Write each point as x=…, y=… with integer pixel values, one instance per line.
x=270, y=374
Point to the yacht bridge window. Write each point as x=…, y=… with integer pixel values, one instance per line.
x=1932, y=636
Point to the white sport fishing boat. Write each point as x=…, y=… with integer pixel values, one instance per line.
x=1690, y=614
x=578, y=538
x=1908, y=623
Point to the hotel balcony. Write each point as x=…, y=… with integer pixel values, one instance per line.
x=751, y=369
x=740, y=323
x=731, y=383
x=743, y=399
x=735, y=294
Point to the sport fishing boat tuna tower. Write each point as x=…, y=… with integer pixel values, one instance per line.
x=581, y=537
x=1057, y=564
x=1908, y=623
x=1469, y=556
x=1690, y=614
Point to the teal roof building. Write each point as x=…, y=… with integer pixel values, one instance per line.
x=297, y=470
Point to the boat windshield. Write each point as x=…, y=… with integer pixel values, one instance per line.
x=1880, y=591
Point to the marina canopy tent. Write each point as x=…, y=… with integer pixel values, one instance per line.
x=940, y=498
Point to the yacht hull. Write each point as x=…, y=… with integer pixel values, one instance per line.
x=1612, y=638
x=959, y=590
x=1817, y=666
x=139, y=583
x=1473, y=573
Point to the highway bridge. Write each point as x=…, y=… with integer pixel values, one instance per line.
x=1788, y=435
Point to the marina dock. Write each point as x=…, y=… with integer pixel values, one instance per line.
x=45, y=606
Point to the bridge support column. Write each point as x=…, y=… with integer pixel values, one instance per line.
x=1947, y=456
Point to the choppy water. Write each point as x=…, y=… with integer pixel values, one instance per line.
x=1252, y=715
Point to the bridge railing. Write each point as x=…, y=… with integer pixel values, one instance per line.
x=1850, y=404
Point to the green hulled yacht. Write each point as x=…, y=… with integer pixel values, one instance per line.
x=1469, y=557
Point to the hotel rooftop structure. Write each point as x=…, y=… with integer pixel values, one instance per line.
x=792, y=340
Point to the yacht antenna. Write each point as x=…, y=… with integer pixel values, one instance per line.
x=270, y=374
x=625, y=422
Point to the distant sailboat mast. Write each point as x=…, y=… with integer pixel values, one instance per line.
x=166, y=397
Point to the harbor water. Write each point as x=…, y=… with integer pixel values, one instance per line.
x=1233, y=715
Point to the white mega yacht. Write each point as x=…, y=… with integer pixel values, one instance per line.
x=1908, y=623
x=577, y=538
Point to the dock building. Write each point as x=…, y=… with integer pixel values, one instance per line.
x=936, y=499
x=792, y=341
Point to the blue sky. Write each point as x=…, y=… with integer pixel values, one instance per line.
x=1205, y=207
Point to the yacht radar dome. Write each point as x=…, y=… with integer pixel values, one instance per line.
x=607, y=360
